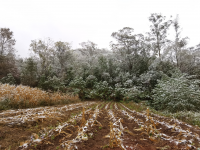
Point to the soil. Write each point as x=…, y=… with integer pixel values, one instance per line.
x=100, y=129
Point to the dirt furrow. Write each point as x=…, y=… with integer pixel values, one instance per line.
x=179, y=137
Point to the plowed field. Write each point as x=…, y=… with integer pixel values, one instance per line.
x=92, y=126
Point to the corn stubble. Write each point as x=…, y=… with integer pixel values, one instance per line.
x=24, y=96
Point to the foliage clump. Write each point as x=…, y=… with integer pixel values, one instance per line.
x=9, y=79
x=177, y=93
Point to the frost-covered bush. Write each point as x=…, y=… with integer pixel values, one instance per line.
x=118, y=93
x=78, y=83
x=55, y=83
x=105, y=76
x=149, y=79
x=101, y=90
x=128, y=83
x=122, y=78
x=8, y=79
x=177, y=93
x=51, y=83
x=90, y=81
x=132, y=94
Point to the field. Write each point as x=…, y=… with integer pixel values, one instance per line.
x=94, y=125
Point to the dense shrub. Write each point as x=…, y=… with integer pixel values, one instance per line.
x=118, y=93
x=90, y=81
x=132, y=94
x=51, y=83
x=101, y=90
x=78, y=83
x=149, y=79
x=177, y=93
x=8, y=79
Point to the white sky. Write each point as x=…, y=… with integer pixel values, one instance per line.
x=77, y=21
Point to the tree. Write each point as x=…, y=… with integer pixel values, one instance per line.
x=63, y=52
x=44, y=49
x=158, y=31
x=29, y=72
x=90, y=52
x=128, y=47
x=179, y=42
x=7, y=55
x=6, y=41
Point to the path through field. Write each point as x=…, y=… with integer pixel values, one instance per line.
x=95, y=125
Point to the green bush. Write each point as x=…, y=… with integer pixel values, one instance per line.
x=101, y=90
x=133, y=94
x=177, y=93
x=51, y=83
x=118, y=93
x=78, y=83
x=8, y=79
x=90, y=81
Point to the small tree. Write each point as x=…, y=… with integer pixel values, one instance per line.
x=29, y=72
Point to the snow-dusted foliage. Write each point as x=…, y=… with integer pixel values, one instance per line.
x=101, y=90
x=133, y=94
x=149, y=79
x=8, y=79
x=177, y=93
x=90, y=81
x=78, y=83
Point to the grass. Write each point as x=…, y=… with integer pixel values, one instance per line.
x=121, y=107
x=111, y=106
x=105, y=146
x=192, y=118
x=102, y=105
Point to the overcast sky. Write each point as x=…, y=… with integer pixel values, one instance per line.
x=77, y=21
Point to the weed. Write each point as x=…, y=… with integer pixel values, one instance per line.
x=100, y=128
x=75, y=122
x=52, y=137
x=111, y=106
x=36, y=126
x=105, y=146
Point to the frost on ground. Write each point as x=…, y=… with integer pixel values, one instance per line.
x=105, y=125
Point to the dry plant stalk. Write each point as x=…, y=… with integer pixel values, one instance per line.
x=25, y=96
x=83, y=121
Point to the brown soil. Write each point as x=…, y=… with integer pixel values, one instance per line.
x=132, y=137
x=12, y=136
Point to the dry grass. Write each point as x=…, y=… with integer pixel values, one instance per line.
x=24, y=97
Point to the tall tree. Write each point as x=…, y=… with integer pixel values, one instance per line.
x=158, y=30
x=64, y=54
x=7, y=41
x=128, y=47
x=179, y=42
x=89, y=49
x=7, y=53
x=45, y=50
